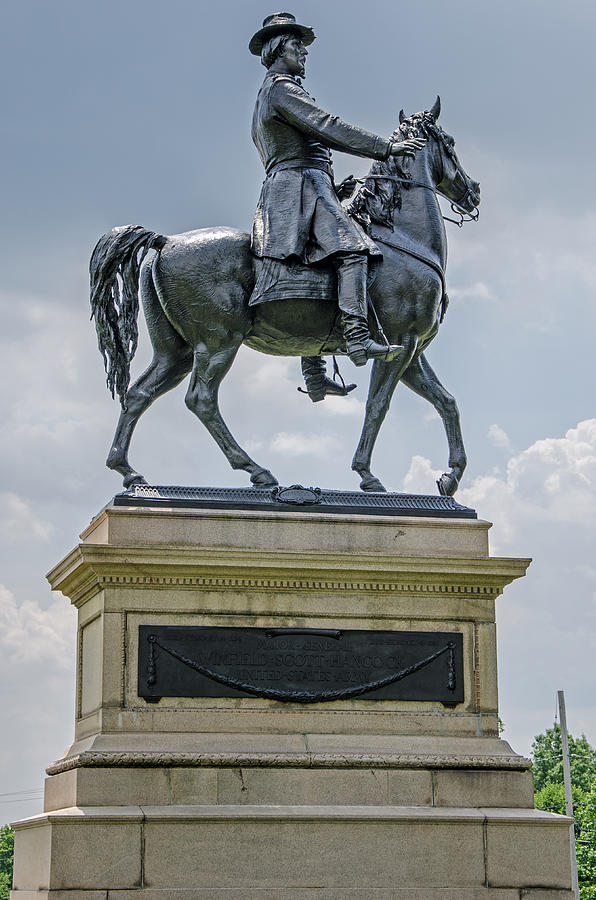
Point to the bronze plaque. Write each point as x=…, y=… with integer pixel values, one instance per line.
x=299, y=665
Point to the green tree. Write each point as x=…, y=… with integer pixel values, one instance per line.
x=550, y=795
x=6, y=857
x=547, y=755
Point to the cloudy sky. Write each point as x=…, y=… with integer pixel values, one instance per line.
x=138, y=111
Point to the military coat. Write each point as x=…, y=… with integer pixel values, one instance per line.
x=299, y=213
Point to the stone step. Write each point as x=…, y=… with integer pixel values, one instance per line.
x=247, y=849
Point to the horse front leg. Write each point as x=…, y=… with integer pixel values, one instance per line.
x=210, y=365
x=383, y=381
x=421, y=378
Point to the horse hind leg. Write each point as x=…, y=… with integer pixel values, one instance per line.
x=421, y=378
x=210, y=366
x=171, y=363
x=162, y=375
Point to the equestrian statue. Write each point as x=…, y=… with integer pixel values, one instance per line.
x=314, y=279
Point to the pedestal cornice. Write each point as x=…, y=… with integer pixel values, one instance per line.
x=90, y=567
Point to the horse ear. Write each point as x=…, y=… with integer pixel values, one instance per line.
x=402, y=117
x=435, y=110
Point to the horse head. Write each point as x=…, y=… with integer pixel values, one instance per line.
x=447, y=173
x=436, y=166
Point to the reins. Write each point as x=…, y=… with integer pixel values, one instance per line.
x=473, y=215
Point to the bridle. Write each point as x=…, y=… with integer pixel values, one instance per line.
x=472, y=216
x=456, y=205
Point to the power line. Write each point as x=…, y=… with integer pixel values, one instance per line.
x=13, y=793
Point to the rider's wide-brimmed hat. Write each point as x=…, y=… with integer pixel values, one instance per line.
x=279, y=23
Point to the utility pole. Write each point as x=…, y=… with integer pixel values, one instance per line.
x=568, y=797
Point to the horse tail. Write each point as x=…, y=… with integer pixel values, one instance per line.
x=114, y=275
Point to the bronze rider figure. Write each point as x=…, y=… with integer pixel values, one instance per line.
x=299, y=213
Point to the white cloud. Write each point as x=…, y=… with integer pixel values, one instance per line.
x=499, y=437
x=253, y=445
x=57, y=417
x=477, y=291
x=421, y=477
x=263, y=373
x=302, y=444
x=578, y=265
x=30, y=634
x=345, y=406
x=554, y=481
x=18, y=523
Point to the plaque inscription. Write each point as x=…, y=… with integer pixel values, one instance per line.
x=299, y=665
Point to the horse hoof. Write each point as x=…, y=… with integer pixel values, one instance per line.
x=131, y=480
x=372, y=484
x=263, y=478
x=447, y=484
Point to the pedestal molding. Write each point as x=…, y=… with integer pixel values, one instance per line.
x=298, y=584
x=286, y=760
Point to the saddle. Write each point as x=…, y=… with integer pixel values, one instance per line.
x=282, y=280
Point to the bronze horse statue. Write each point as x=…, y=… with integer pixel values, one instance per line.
x=195, y=289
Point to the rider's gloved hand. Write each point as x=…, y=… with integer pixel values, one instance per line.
x=346, y=188
x=407, y=148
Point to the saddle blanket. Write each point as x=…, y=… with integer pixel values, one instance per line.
x=277, y=280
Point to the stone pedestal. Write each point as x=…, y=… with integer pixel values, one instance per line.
x=243, y=797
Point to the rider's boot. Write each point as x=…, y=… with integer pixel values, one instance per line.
x=317, y=383
x=353, y=303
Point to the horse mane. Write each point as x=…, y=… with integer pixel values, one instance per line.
x=377, y=200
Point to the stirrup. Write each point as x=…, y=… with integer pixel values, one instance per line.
x=318, y=385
